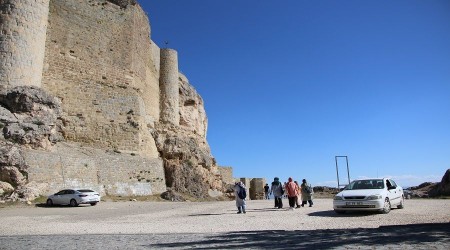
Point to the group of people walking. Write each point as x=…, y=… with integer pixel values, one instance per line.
x=292, y=189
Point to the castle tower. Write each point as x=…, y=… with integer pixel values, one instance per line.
x=168, y=84
x=23, y=27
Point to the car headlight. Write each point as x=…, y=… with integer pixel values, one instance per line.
x=374, y=197
x=337, y=198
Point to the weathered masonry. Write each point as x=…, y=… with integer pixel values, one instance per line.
x=123, y=99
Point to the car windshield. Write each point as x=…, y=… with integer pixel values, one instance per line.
x=366, y=184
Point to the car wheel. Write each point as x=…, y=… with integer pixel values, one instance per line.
x=93, y=203
x=339, y=211
x=386, y=207
x=402, y=203
x=49, y=203
x=73, y=203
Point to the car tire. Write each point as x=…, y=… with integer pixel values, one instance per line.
x=93, y=203
x=339, y=211
x=73, y=203
x=386, y=207
x=402, y=203
x=49, y=203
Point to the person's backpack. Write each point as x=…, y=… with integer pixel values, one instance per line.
x=242, y=194
x=308, y=189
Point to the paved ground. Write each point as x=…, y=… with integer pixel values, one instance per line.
x=423, y=224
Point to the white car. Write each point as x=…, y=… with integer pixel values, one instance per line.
x=74, y=197
x=369, y=195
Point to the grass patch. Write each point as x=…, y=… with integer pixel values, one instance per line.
x=40, y=199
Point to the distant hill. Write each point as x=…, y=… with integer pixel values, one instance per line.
x=432, y=189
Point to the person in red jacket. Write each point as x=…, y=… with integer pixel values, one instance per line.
x=292, y=193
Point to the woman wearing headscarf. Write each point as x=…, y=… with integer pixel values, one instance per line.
x=277, y=191
x=306, y=193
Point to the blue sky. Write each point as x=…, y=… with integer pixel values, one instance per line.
x=288, y=85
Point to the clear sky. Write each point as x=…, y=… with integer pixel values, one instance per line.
x=290, y=84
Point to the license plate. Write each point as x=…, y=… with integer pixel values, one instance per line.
x=355, y=203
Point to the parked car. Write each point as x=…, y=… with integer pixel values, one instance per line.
x=74, y=197
x=408, y=194
x=369, y=195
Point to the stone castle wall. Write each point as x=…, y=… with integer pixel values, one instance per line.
x=23, y=28
x=102, y=56
x=120, y=94
x=107, y=172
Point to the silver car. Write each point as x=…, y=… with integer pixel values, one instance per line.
x=74, y=197
x=369, y=195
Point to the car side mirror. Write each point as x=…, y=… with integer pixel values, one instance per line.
x=391, y=187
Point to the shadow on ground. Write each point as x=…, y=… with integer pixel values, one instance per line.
x=43, y=205
x=421, y=236
x=331, y=213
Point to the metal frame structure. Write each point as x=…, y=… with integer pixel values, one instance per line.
x=337, y=169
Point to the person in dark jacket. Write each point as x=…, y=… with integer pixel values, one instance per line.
x=306, y=193
x=266, y=192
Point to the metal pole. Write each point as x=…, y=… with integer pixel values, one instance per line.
x=348, y=170
x=337, y=171
x=337, y=168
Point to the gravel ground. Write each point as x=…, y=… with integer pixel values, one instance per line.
x=423, y=224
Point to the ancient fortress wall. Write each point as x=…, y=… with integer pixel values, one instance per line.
x=98, y=60
x=23, y=28
x=109, y=173
x=118, y=91
x=101, y=62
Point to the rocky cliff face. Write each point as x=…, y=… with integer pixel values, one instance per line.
x=29, y=118
x=188, y=163
x=443, y=187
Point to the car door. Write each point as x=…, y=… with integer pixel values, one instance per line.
x=57, y=198
x=65, y=198
x=393, y=192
